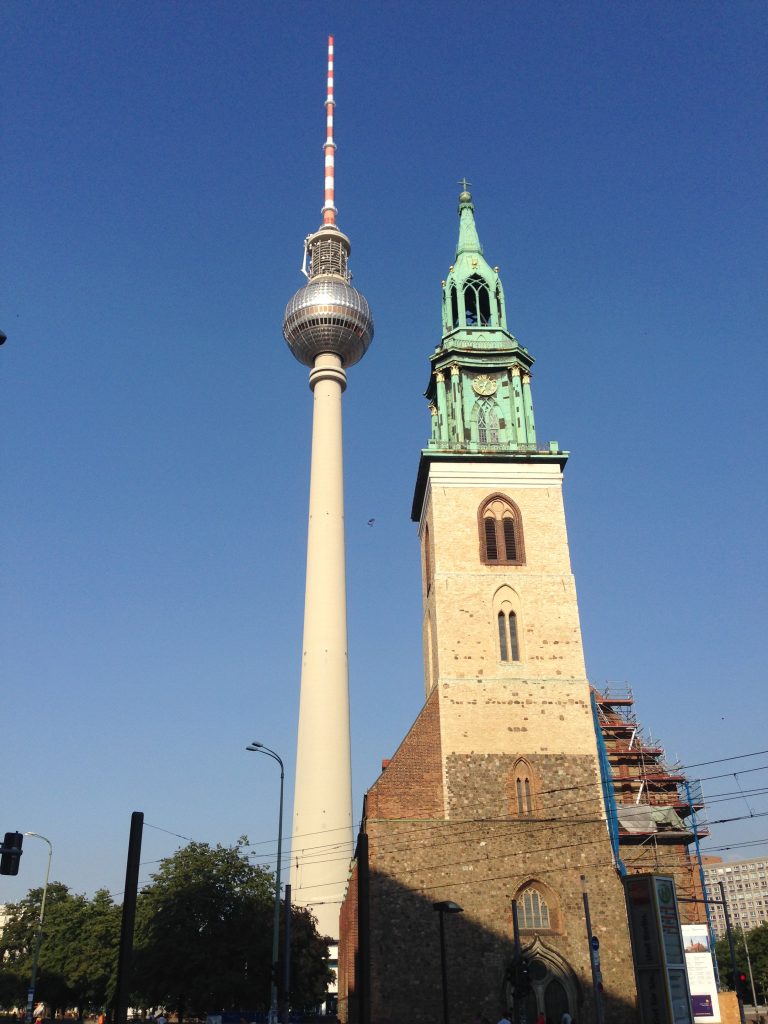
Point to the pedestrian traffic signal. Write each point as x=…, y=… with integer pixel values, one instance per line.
x=11, y=853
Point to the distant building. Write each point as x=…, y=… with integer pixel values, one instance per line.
x=745, y=883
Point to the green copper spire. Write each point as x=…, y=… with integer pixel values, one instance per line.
x=468, y=238
x=480, y=389
x=473, y=297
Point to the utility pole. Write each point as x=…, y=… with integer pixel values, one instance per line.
x=125, y=954
x=732, y=950
x=749, y=967
x=516, y=934
x=594, y=956
x=39, y=935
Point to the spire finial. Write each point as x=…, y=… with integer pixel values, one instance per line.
x=329, y=209
x=468, y=240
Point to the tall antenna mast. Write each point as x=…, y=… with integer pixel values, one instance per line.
x=329, y=210
x=328, y=327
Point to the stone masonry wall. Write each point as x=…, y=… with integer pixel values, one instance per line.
x=483, y=866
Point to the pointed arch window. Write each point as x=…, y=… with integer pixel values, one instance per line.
x=500, y=318
x=487, y=422
x=522, y=787
x=533, y=910
x=477, y=302
x=501, y=531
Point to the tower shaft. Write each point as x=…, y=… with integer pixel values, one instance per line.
x=322, y=816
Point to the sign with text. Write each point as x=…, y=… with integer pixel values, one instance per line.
x=701, y=974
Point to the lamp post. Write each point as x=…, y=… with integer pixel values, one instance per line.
x=39, y=936
x=443, y=908
x=259, y=748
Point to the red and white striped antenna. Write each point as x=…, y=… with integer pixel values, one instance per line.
x=329, y=209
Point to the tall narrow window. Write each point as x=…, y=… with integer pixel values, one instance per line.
x=501, y=530
x=510, y=542
x=503, y=649
x=484, y=306
x=470, y=306
x=519, y=795
x=514, y=647
x=492, y=551
x=523, y=794
x=427, y=560
x=454, y=307
x=509, y=649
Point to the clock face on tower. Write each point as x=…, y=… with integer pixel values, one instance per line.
x=484, y=385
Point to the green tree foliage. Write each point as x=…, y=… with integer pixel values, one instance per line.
x=77, y=953
x=203, y=940
x=757, y=942
x=204, y=935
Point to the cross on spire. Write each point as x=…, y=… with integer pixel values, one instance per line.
x=464, y=184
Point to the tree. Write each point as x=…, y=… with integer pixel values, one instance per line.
x=757, y=942
x=203, y=940
x=77, y=952
x=204, y=935
x=310, y=973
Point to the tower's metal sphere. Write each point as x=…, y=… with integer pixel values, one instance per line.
x=328, y=315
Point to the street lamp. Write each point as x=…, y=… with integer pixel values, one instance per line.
x=259, y=748
x=443, y=908
x=39, y=936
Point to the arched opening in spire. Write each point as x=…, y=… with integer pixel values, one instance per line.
x=499, y=314
x=477, y=302
x=454, y=307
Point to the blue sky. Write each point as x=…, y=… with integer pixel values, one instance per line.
x=162, y=164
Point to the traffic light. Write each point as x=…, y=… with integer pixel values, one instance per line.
x=520, y=977
x=740, y=985
x=11, y=853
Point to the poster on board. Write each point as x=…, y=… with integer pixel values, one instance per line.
x=701, y=974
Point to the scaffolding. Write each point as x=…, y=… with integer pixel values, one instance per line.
x=655, y=813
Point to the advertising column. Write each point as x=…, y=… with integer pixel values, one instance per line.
x=657, y=950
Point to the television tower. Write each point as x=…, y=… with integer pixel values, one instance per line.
x=328, y=327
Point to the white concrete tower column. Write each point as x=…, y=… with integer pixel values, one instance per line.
x=328, y=327
x=322, y=813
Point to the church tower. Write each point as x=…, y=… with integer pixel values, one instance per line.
x=328, y=327
x=499, y=597
x=493, y=798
